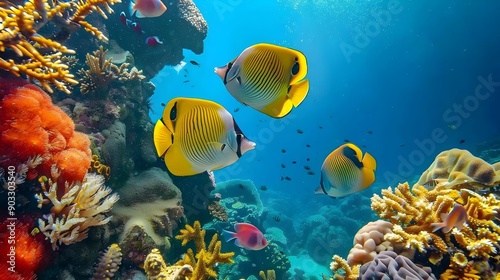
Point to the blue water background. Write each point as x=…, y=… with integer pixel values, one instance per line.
x=402, y=85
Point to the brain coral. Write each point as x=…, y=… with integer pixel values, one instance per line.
x=459, y=168
x=369, y=241
x=39, y=134
x=388, y=265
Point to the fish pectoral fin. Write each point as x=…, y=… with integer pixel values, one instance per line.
x=163, y=138
x=319, y=190
x=369, y=161
x=368, y=178
x=237, y=243
x=298, y=92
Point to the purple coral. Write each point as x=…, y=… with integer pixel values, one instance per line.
x=388, y=265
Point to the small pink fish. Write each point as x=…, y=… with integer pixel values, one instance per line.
x=153, y=41
x=123, y=18
x=456, y=218
x=247, y=236
x=147, y=8
x=136, y=27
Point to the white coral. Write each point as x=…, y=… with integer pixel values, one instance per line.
x=83, y=205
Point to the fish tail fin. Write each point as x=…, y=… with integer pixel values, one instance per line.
x=298, y=92
x=228, y=235
x=163, y=138
x=369, y=161
x=437, y=226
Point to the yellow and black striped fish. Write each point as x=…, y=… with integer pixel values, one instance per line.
x=196, y=135
x=268, y=78
x=346, y=170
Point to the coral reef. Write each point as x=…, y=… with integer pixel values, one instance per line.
x=460, y=169
x=269, y=275
x=206, y=257
x=109, y=263
x=82, y=206
x=19, y=26
x=102, y=72
x=465, y=252
x=39, y=134
x=388, y=265
x=157, y=269
x=182, y=27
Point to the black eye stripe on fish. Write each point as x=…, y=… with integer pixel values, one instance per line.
x=295, y=68
x=173, y=112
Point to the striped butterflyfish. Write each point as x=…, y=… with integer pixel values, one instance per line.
x=268, y=78
x=346, y=170
x=196, y=135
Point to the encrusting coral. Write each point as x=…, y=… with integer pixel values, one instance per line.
x=109, y=263
x=102, y=72
x=206, y=257
x=460, y=169
x=82, y=206
x=97, y=167
x=19, y=26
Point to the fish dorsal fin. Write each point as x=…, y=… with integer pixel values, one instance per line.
x=298, y=92
x=369, y=161
x=163, y=138
x=243, y=226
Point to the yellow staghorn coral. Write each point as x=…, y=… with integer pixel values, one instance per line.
x=339, y=263
x=205, y=258
x=40, y=57
x=460, y=169
x=156, y=268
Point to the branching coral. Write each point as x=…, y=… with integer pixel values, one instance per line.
x=19, y=26
x=413, y=214
x=81, y=207
x=340, y=264
x=102, y=72
x=269, y=275
x=460, y=169
x=109, y=263
x=206, y=257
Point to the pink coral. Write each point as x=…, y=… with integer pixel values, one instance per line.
x=369, y=241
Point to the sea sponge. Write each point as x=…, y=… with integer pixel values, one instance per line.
x=33, y=127
x=369, y=241
x=460, y=169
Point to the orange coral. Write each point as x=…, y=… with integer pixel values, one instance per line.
x=31, y=252
x=32, y=127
